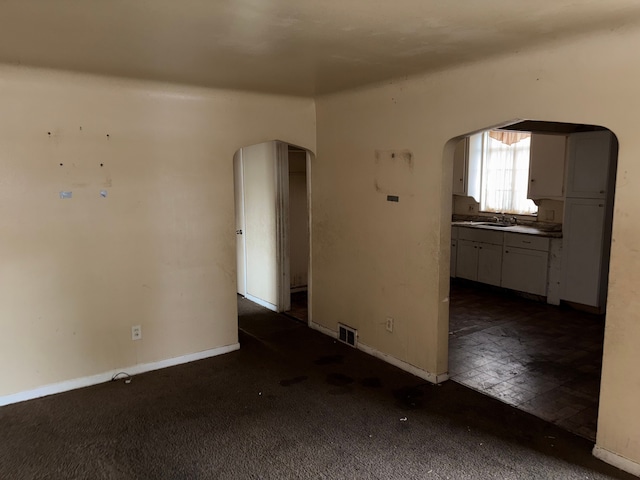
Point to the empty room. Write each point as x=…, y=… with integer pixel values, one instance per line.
x=154, y=158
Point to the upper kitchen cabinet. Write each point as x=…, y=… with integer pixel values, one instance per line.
x=460, y=167
x=589, y=160
x=547, y=166
x=467, y=162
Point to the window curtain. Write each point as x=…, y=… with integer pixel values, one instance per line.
x=505, y=173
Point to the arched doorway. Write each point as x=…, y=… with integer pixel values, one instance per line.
x=273, y=226
x=528, y=300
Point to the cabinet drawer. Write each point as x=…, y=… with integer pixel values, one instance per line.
x=479, y=235
x=526, y=241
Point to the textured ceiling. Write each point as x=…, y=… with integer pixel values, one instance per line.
x=299, y=47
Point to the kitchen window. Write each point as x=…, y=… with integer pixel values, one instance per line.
x=505, y=173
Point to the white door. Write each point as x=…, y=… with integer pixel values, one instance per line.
x=241, y=247
x=582, y=257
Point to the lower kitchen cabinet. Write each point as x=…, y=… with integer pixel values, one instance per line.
x=454, y=251
x=490, y=264
x=479, y=261
x=467, y=260
x=525, y=270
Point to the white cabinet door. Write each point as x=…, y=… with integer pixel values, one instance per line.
x=589, y=159
x=489, y=263
x=525, y=270
x=467, y=260
x=460, y=167
x=582, y=257
x=546, y=166
x=454, y=251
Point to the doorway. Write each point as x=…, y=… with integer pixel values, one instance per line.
x=298, y=235
x=272, y=205
x=529, y=331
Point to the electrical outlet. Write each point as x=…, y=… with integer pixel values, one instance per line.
x=136, y=332
x=389, y=324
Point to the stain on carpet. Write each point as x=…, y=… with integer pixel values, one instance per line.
x=329, y=360
x=371, y=382
x=293, y=381
x=339, y=380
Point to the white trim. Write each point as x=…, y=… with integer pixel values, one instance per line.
x=107, y=376
x=262, y=303
x=617, y=461
x=407, y=367
x=324, y=330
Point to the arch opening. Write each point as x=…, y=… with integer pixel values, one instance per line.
x=528, y=291
x=273, y=227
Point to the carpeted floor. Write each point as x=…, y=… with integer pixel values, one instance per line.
x=291, y=404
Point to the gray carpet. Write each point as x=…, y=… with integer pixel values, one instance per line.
x=292, y=403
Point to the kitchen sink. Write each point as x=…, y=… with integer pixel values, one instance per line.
x=493, y=224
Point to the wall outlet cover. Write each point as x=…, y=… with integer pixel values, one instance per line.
x=136, y=332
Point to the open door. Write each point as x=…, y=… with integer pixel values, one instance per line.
x=264, y=183
x=241, y=247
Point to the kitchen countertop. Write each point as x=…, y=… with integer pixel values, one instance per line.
x=541, y=231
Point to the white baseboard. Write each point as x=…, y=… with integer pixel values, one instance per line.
x=324, y=330
x=407, y=367
x=262, y=303
x=617, y=461
x=107, y=376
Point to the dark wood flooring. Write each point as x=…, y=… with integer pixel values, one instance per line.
x=299, y=307
x=542, y=359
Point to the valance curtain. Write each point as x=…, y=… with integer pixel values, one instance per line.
x=505, y=173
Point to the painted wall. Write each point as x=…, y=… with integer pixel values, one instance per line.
x=259, y=162
x=158, y=251
x=373, y=258
x=298, y=220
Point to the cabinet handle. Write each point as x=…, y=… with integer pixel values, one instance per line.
x=601, y=191
x=506, y=251
x=533, y=180
x=601, y=204
x=526, y=241
x=480, y=248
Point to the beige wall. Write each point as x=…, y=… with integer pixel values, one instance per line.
x=259, y=163
x=159, y=251
x=373, y=258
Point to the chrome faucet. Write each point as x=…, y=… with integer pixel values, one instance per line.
x=504, y=219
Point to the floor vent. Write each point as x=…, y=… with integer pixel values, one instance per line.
x=347, y=335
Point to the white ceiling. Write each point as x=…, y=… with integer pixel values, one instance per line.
x=301, y=47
